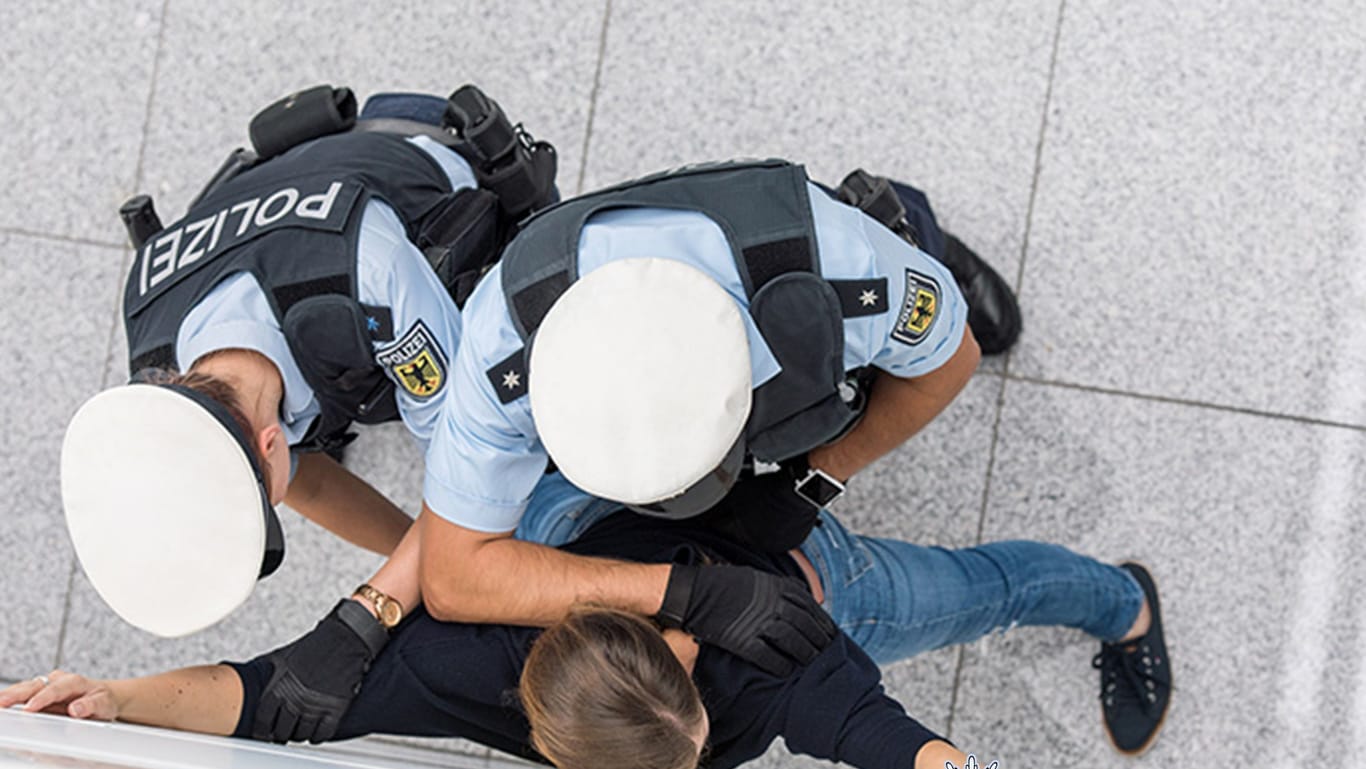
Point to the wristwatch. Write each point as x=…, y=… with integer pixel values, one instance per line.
x=390, y=611
x=817, y=486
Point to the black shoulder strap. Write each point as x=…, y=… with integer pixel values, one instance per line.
x=761, y=207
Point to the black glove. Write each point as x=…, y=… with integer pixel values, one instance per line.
x=316, y=677
x=771, y=621
x=765, y=512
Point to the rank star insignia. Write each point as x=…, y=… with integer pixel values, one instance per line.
x=868, y=298
x=379, y=323
x=508, y=377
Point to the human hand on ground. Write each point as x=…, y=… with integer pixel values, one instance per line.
x=65, y=694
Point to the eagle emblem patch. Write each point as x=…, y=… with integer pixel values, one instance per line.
x=918, y=309
x=415, y=362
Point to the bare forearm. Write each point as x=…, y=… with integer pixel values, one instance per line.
x=207, y=699
x=470, y=578
x=398, y=578
x=332, y=497
x=897, y=409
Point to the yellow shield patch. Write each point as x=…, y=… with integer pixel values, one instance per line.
x=421, y=377
x=415, y=362
x=918, y=310
x=922, y=312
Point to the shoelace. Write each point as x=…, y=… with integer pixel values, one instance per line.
x=1137, y=668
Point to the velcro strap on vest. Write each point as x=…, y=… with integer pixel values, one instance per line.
x=766, y=261
x=531, y=304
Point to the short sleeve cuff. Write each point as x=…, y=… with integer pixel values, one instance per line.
x=933, y=354
x=473, y=513
x=940, y=353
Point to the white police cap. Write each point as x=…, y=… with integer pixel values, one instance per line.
x=640, y=385
x=166, y=507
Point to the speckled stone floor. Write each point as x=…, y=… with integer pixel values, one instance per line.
x=1175, y=189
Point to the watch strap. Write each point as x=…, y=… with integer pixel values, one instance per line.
x=677, y=595
x=371, y=632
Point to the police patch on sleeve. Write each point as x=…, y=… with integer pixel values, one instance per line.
x=918, y=309
x=415, y=362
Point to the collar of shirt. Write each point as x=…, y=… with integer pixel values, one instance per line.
x=236, y=315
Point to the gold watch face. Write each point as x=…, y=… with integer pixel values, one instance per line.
x=389, y=613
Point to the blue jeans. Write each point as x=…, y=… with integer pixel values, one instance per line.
x=897, y=599
x=560, y=512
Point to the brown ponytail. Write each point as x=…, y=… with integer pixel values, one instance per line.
x=602, y=689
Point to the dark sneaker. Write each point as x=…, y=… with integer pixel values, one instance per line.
x=1136, y=679
x=993, y=312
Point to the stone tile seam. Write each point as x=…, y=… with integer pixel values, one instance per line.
x=109, y=345
x=1174, y=401
x=953, y=695
x=104, y=383
x=1038, y=151
x=1005, y=374
x=59, y=652
x=23, y=233
x=151, y=94
x=593, y=97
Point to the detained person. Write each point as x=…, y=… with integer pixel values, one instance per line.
x=603, y=687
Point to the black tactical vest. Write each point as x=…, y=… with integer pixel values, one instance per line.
x=763, y=209
x=293, y=223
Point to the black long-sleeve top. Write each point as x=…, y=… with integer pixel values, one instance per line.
x=460, y=680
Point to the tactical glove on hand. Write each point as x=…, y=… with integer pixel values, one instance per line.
x=769, y=620
x=316, y=677
x=765, y=512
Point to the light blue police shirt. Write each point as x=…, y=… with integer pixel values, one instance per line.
x=486, y=458
x=391, y=272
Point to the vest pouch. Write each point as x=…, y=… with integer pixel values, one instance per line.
x=799, y=316
x=308, y=114
x=331, y=344
x=461, y=239
x=519, y=170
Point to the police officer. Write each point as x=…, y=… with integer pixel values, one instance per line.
x=295, y=299
x=661, y=339
x=296, y=295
